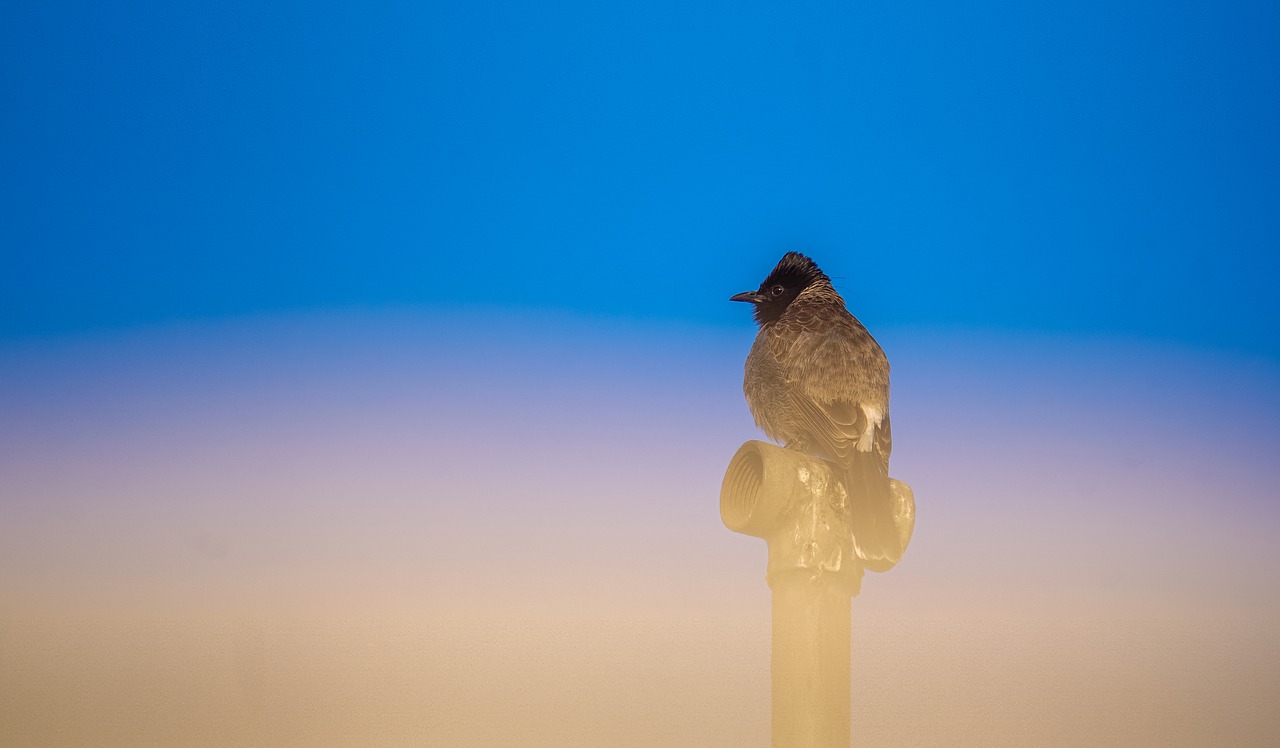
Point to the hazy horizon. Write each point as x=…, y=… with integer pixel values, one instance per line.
x=386, y=528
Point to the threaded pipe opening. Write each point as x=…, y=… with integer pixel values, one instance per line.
x=741, y=488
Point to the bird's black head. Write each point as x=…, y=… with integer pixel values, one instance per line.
x=793, y=274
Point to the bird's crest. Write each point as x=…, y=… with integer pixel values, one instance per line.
x=795, y=270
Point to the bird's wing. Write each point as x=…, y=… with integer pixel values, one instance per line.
x=831, y=429
x=831, y=422
x=816, y=370
x=834, y=429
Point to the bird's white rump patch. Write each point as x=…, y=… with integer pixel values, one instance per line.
x=875, y=417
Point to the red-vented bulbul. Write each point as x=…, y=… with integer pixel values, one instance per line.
x=818, y=382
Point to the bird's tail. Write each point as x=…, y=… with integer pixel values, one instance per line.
x=879, y=532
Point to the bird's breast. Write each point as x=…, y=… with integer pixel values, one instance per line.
x=766, y=389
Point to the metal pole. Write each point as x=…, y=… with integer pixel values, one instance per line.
x=811, y=697
x=801, y=510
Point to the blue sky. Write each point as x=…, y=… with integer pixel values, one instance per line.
x=1094, y=168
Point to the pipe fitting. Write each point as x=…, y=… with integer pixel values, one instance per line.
x=796, y=504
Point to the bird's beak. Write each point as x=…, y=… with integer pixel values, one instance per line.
x=751, y=296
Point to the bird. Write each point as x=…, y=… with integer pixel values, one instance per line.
x=818, y=382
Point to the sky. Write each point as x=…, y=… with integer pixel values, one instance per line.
x=368, y=374
x=1080, y=168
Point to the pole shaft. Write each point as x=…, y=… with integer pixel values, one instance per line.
x=811, y=681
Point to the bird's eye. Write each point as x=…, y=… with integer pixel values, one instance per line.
x=776, y=291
